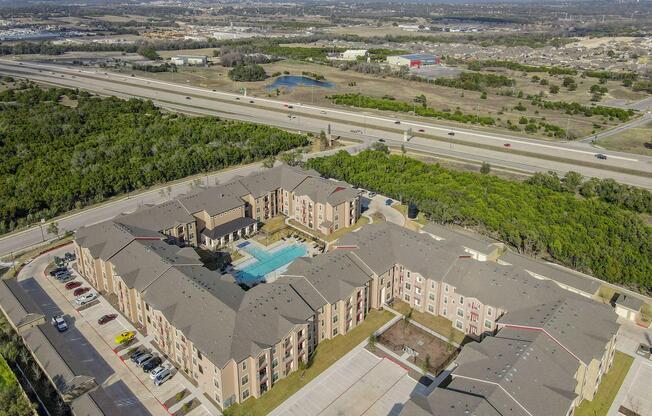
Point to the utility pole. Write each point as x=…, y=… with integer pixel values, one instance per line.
x=41, y=227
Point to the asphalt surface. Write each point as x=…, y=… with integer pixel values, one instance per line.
x=527, y=155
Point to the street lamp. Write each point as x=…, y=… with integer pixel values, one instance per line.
x=41, y=224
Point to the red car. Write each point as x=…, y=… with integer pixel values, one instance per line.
x=81, y=291
x=507, y=145
x=72, y=285
x=422, y=131
x=107, y=318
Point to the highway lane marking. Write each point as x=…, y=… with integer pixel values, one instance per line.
x=328, y=110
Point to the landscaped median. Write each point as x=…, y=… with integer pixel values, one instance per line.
x=326, y=354
x=608, y=389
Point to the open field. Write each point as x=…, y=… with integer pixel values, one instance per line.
x=632, y=140
x=7, y=376
x=442, y=98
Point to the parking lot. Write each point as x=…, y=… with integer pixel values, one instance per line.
x=91, y=348
x=358, y=384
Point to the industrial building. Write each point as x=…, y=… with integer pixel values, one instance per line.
x=189, y=60
x=414, y=60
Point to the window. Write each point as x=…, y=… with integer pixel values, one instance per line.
x=245, y=394
x=445, y=299
x=201, y=370
x=459, y=325
x=445, y=288
x=406, y=297
x=487, y=324
x=431, y=296
x=408, y=286
x=261, y=360
x=462, y=300
x=431, y=309
x=417, y=302
x=334, y=319
x=417, y=289
x=432, y=284
x=460, y=312
x=489, y=311
x=443, y=312
x=274, y=363
x=245, y=379
x=244, y=366
x=334, y=331
x=274, y=377
x=199, y=355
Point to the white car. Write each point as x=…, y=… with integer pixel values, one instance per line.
x=158, y=370
x=84, y=299
x=60, y=323
x=163, y=376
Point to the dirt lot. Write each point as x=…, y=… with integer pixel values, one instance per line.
x=427, y=347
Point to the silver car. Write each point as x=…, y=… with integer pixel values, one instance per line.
x=155, y=372
x=143, y=359
x=163, y=377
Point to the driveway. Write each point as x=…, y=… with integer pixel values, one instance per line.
x=358, y=384
x=89, y=346
x=377, y=204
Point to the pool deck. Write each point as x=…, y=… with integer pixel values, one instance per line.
x=248, y=259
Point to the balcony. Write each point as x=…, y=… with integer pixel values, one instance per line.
x=287, y=358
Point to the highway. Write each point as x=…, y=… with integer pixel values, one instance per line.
x=523, y=154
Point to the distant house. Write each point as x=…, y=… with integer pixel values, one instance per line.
x=413, y=60
x=189, y=60
x=353, y=54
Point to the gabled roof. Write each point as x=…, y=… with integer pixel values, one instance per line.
x=158, y=217
x=105, y=239
x=214, y=200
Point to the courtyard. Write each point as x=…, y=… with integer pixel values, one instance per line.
x=418, y=346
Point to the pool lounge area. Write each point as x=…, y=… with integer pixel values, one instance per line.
x=264, y=264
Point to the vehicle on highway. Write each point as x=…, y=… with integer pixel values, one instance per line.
x=421, y=131
x=124, y=336
x=601, y=156
x=143, y=359
x=69, y=257
x=644, y=351
x=134, y=355
x=381, y=140
x=214, y=90
x=152, y=364
x=54, y=272
x=84, y=299
x=80, y=291
x=237, y=98
x=251, y=101
x=163, y=377
x=187, y=98
x=397, y=122
x=289, y=106
x=107, y=318
x=356, y=131
x=132, y=75
x=60, y=323
x=451, y=133
x=72, y=285
x=389, y=202
x=322, y=112
x=158, y=370
x=507, y=145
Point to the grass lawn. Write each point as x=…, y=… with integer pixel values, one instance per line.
x=608, y=389
x=421, y=217
x=326, y=354
x=7, y=376
x=438, y=324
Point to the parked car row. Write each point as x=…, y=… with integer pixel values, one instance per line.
x=152, y=364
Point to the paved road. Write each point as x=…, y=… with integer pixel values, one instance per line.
x=525, y=154
x=623, y=127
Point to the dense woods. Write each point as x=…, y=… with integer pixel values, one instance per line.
x=588, y=235
x=57, y=157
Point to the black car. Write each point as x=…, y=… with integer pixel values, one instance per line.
x=601, y=156
x=58, y=270
x=152, y=364
x=69, y=256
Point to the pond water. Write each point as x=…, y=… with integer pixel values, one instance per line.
x=291, y=81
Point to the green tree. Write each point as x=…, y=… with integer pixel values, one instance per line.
x=148, y=52
x=485, y=168
x=247, y=73
x=53, y=228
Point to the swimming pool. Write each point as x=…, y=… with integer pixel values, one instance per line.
x=265, y=262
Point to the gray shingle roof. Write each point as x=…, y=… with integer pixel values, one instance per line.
x=229, y=227
x=462, y=238
x=158, y=217
x=105, y=239
x=629, y=302
x=213, y=200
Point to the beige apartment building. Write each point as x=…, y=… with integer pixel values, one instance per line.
x=237, y=344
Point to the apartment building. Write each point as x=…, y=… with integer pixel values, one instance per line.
x=236, y=344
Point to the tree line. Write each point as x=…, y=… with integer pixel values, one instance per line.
x=57, y=157
x=588, y=235
x=515, y=66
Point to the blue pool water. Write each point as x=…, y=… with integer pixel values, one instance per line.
x=267, y=262
x=290, y=81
